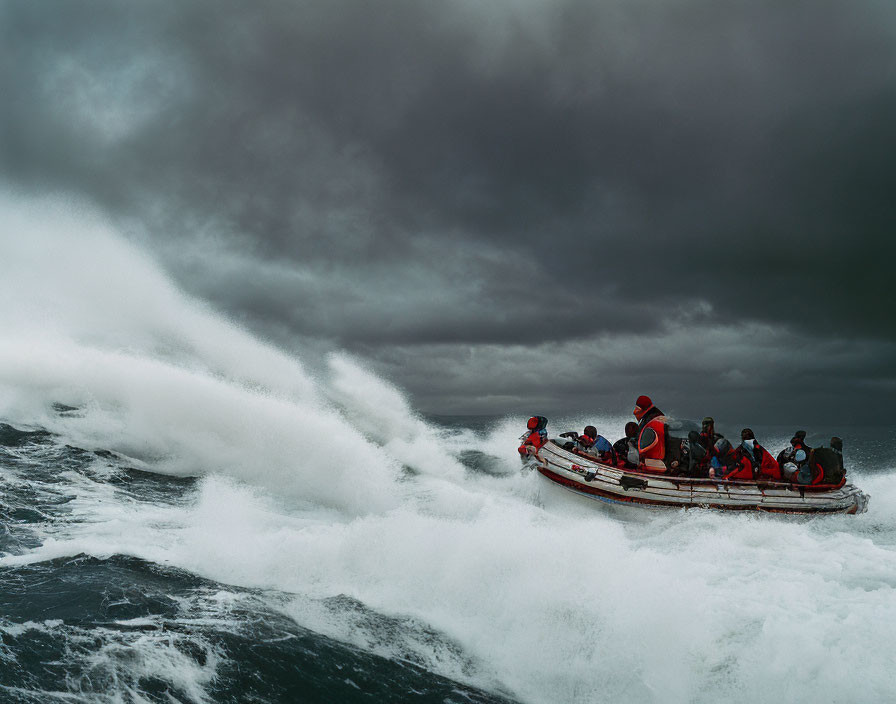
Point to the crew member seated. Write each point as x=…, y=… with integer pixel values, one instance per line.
x=708, y=435
x=765, y=467
x=695, y=458
x=797, y=442
x=603, y=451
x=834, y=472
x=726, y=464
x=823, y=466
x=651, y=435
x=626, y=448
x=536, y=436
x=581, y=442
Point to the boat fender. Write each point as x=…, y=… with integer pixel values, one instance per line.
x=632, y=483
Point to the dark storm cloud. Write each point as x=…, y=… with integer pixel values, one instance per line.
x=472, y=175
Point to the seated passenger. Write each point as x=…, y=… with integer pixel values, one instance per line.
x=603, y=451
x=708, y=435
x=746, y=459
x=804, y=472
x=535, y=437
x=651, y=435
x=626, y=448
x=697, y=456
x=797, y=442
x=728, y=464
x=808, y=473
x=585, y=441
x=768, y=468
x=580, y=443
x=825, y=465
x=800, y=436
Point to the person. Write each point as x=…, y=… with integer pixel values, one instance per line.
x=797, y=443
x=807, y=473
x=536, y=436
x=626, y=448
x=765, y=467
x=746, y=456
x=651, y=435
x=580, y=443
x=708, y=435
x=824, y=466
x=603, y=451
x=800, y=436
x=725, y=464
x=697, y=456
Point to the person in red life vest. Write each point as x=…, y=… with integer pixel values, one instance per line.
x=580, y=443
x=829, y=461
x=651, y=435
x=797, y=443
x=585, y=441
x=728, y=464
x=626, y=448
x=765, y=467
x=745, y=460
x=536, y=436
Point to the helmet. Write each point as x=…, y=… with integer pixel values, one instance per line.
x=708, y=421
x=641, y=405
x=801, y=434
x=536, y=423
x=590, y=431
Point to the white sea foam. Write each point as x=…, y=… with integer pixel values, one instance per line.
x=540, y=593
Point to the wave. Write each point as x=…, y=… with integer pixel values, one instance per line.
x=327, y=487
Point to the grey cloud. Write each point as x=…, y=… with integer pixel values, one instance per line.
x=426, y=175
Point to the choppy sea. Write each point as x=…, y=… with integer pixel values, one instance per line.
x=189, y=514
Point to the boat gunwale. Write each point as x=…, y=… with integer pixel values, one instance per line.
x=693, y=492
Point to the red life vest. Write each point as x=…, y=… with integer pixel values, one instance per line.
x=535, y=439
x=817, y=473
x=769, y=469
x=652, y=445
x=742, y=468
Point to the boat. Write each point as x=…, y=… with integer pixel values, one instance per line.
x=590, y=478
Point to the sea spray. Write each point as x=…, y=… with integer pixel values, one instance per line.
x=346, y=511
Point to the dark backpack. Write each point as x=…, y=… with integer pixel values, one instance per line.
x=831, y=463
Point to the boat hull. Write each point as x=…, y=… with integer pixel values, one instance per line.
x=619, y=486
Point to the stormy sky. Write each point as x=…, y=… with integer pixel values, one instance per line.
x=513, y=206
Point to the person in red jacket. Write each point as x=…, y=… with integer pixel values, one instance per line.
x=728, y=463
x=765, y=467
x=737, y=464
x=651, y=435
x=535, y=438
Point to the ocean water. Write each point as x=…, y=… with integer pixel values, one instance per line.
x=190, y=514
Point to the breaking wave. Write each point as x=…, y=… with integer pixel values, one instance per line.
x=149, y=435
